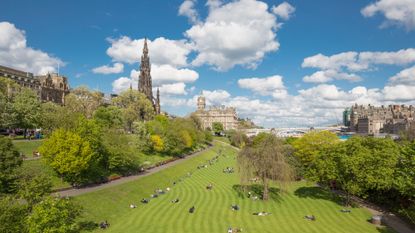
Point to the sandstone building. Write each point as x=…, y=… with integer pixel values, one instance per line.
x=51, y=87
x=145, y=85
x=225, y=115
x=373, y=120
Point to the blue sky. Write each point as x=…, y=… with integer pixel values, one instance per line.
x=258, y=56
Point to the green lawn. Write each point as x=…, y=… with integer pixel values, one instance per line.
x=27, y=147
x=222, y=139
x=213, y=213
x=39, y=167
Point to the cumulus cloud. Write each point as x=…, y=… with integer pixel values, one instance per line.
x=396, y=12
x=343, y=66
x=122, y=84
x=165, y=74
x=272, y=86
x=162, y=51
x=330, y=75
x=405, y=77
x=225, y=39
x=173, y=89
x=187, y=8
x=115, y=69
x=284, y=10
x=14, y=52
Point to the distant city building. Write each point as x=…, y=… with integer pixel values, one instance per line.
x=145, y=84
x=50, y=87
x=225, y=115
x=346, y=116
x=372, y=120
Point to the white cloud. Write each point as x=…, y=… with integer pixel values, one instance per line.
x=15, y=53
x=166, y=74
x=273, y=86
x=161, y=51
x=215, y=97
x=405, y=77
x=325, y=76
x=115, y=69
x=343, y=66
x=226, y=39
x=396, y=12
x=187, y=8
x=284, y=10
x=122, y=84
x=173, y=89
x=399, y=93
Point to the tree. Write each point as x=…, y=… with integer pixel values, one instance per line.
x=81, y=100
x=404, y=178
x=157, y=143
x=264, y=158
x=54, y=214
x=217, y=127
x=109, y=117
x=237, y=138
x=70, y=155
x=12, y=215
x=26, y=106
x=365, y=163
x=135, y=107
x=10, y=161
x=54, y=116
x=33, y=188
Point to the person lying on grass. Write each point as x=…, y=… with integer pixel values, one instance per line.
x=263, y=213
x=235, y=207
x=345, y=211
x=132, y=206
x=310, y=217
x=144, y=201
x=175, y=200
x=209, y=187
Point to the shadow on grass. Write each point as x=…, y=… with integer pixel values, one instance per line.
x=384, y=229
x=88, y=225
x=318, y=193
x=256, y=190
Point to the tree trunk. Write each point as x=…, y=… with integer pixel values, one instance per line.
x=265, y=194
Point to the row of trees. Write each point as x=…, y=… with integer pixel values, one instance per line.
x=25, y=201
x=379, y=169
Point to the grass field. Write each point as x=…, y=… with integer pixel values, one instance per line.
x=39, y=167
x=27, y=147
x=213, y=213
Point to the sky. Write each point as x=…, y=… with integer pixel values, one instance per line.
x=294, y=63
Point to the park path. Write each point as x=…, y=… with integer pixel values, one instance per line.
x=388, y=218
x=78, y=191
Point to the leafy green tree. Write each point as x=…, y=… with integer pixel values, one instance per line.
x=83, y=101
x=404, y=178
x=54, y=116
x=217, y=127
x=135, y=107
x=237, y=138
x=264, y=158
x=109, y=117
x=10, y=161
x=70, y=155
x=54, y=214
x=33, y=188
x=12, y=215
x=365, y=163
x=26, y=106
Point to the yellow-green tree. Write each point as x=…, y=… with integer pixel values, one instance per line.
x=157, y=143
x=84, y=101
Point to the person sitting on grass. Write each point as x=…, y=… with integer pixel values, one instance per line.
x=175, y=200
x=192, y=210
x=144, y=201
x=209, y=187
x=310, y=217
x=235, y=207
x=104, y=225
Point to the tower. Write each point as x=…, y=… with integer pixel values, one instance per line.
x=144, y=82
x=201, y=103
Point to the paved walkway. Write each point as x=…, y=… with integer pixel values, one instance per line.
x=78, y=191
